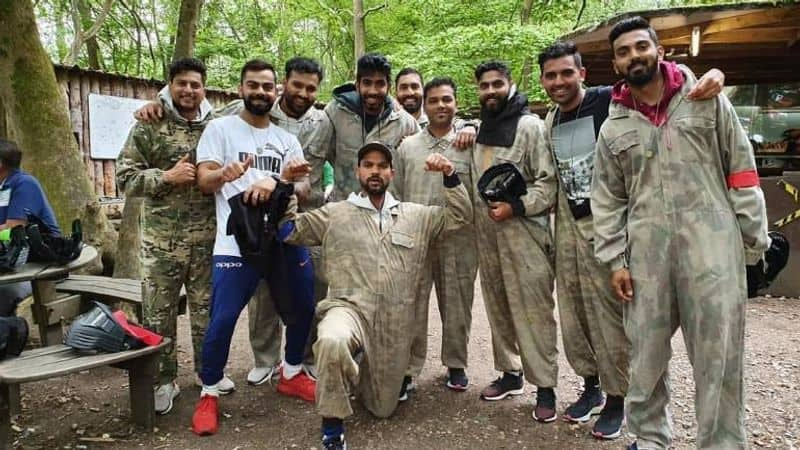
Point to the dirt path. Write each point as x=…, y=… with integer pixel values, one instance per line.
x=74, y=412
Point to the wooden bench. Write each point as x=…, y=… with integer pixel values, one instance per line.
x=110, y=290
x=59, y=360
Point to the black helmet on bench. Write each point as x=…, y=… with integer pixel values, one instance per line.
x=98, y=330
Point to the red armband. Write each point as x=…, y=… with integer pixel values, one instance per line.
x=743, y=179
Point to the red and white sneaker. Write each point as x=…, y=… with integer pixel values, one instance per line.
x=205, y=420
x=301, y=386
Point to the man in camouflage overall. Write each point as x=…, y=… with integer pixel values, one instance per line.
x=590, y=315
x=158, y=163
x=514, y=244
x=376, y=248
x=678, y=212
x=452, y=261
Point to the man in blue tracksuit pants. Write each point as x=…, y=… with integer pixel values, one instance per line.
x=240, y=154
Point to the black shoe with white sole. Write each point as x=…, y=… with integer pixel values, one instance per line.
x=612, y=417
x=508, y=384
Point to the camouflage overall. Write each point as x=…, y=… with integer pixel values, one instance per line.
x=452, y=261
x=177, y=230
x=666, y=204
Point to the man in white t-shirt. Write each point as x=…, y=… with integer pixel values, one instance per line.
x=240, y=154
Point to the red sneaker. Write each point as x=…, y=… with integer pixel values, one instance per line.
x=301, y=386
x=205, y=420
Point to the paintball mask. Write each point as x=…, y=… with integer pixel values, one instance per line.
x=501, y=183
x=763, y=273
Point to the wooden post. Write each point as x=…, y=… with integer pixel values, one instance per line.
x=44, y=292
x=141, y=373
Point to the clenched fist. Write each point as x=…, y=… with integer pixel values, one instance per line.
x=436, y=162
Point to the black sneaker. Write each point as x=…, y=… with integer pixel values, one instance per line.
x=589, y=404
x=408, y=386
x=545, y=409
x=609, y=425
x=632, y=446
x=508, y=384
x=334, y=442
x=457, y=380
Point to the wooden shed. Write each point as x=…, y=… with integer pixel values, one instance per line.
x=757, y=46
x=751, y=42
x=78, y=83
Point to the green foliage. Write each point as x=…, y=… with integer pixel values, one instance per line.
x=438, y=37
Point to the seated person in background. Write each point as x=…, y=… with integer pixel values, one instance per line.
x=20, y=195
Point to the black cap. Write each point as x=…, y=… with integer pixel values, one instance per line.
x=375, y=147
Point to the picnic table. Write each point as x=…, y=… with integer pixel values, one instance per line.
x=49, y=308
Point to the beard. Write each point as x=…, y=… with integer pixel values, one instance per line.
x=258, y=109
x=369, y=190
x=290, y=102
x=642, y=76
x=410, y=107
x=496, y=107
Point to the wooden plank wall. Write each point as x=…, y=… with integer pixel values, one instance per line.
x=77, y=84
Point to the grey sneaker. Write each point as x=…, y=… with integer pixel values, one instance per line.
x=260, y=375
x=164, y=396
x=225, y=385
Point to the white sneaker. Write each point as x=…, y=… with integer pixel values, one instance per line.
x=260, y=375
x=164, y=395
x=225, y=385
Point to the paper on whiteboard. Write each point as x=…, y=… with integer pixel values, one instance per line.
x=110, y=121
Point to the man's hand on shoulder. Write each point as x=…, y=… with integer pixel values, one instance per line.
x=149, y=113
x=183, y=172
x=465, y=137
x=708, y=86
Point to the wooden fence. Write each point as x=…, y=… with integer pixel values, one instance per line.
x=78, y=83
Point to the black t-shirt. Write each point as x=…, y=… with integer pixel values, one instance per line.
x=574, y=137
x=595, y=103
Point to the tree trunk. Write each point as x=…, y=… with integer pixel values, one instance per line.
x=525, y=18
x=359, y=33
x=187, y=28
x=39, y=121
x=92, y=49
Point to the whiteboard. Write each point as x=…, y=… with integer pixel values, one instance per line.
x=110, y=121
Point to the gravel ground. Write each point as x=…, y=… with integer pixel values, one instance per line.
x=90, y=410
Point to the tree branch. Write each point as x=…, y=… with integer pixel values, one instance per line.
x=98, y=22
x=580, y=14
x=373, y=9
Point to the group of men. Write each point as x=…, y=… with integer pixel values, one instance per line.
x=636, y=175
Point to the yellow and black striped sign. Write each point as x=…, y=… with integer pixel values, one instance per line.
x=795, y=194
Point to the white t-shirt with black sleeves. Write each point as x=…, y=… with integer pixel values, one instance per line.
x=230, y=139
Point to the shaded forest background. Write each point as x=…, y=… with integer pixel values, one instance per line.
x=438, y=37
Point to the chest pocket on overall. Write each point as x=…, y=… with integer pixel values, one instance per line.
x=403, y=252
x=627, y=148
x=695, y=138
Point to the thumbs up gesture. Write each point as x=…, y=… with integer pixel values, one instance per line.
x=234, y=170
x=183, y=172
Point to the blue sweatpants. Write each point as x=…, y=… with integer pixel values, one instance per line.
x=233, y=283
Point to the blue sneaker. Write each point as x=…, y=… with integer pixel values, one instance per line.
x=334, y=442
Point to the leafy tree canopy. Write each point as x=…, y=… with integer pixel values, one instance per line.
x=438, y=37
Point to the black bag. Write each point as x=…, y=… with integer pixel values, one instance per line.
x=13, y=336
x=15, y=252
x=49, y=247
